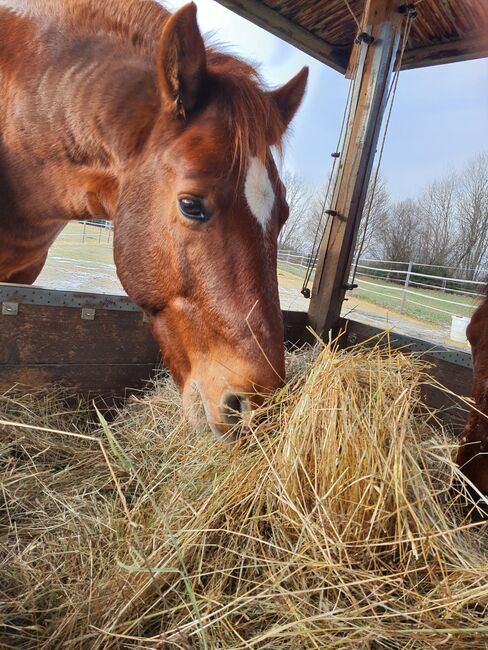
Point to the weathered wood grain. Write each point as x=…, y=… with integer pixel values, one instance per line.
x=102, y=379
x=443, y=32
x=292, y=32
x=58, y=335
x=471, y=47
x=295, y=323
x=371, y=82
x=47, y=344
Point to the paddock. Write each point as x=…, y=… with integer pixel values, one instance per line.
x=279, y=548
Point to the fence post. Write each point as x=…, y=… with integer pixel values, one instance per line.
x=405, y=287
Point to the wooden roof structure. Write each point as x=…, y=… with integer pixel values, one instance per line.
x=444, y=30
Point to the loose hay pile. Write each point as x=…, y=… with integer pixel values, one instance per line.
x=335, y=524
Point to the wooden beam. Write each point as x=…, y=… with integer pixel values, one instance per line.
x=373, y=66
x=103, y=380
x=272, y=21
x=474, y=46
x=45, y=344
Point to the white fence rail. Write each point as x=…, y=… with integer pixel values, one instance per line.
x=404, y=284
x=294, y=259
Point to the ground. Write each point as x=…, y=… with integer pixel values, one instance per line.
x=81, y=259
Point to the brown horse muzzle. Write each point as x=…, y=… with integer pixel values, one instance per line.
x=230, y=370
x=230, y=396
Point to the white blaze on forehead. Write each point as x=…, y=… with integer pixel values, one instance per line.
x=259, y=192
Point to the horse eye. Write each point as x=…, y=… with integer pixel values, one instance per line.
x=192, y=209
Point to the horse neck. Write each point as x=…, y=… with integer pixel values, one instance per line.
x=81, y=109
x=102, y=105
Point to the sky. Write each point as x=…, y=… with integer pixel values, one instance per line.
x=439, y=121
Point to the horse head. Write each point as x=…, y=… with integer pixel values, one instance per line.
x=197, y=220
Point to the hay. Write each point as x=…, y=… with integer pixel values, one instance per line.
x=334, y=524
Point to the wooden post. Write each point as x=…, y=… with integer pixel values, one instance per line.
x=373, y=64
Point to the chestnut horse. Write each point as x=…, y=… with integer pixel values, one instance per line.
x=118, y=110
x=473, y=452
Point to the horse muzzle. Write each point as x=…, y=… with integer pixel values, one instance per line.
x=230, y=407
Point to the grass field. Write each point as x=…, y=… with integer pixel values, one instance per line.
x=297, y=270
x=97, y=244
x=429, y=307
x=81, y=259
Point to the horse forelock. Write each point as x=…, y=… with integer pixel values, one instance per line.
x=246, y=108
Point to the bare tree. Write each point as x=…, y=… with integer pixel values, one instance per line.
x=472, y=240
x=316, y=219
x=446, y=226
x=375, y=214
x=398, y=235
x=437, y=213
x=298, y=196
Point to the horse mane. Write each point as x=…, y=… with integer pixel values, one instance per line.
x=251, y=117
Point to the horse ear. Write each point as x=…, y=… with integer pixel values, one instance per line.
x=182, y=61
x=289, y=97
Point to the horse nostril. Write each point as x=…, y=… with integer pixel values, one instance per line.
x=233, y=407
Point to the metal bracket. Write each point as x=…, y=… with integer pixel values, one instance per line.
x=364, y=37
x=10, y=308
x=87, y=313
x=352, y=338
x=408, y=9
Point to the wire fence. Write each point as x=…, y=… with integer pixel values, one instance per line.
x=93, y=231
x=429, y=292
